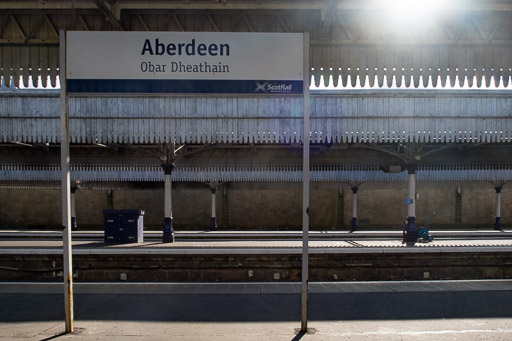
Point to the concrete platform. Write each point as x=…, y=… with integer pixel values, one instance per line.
x=259, y=260
x=85, y=247
x=388, y=311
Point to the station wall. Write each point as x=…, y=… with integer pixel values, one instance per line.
x=263, y=208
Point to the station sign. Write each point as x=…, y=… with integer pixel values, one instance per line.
x=184, y=62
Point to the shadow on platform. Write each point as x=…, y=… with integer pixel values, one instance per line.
x=258, y=307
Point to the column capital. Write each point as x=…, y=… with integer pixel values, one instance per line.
x=168, y=168
x=411, y=168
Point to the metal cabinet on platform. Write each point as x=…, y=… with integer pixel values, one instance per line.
x=123, y=226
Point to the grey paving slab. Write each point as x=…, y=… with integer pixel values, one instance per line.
x=227, y=311
x=388, y=330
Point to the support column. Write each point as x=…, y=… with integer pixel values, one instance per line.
x=74, y=226
x=497, y=224
x=110, y=199
x=168, y=233
x=341, y=208
x=65, y=189
x=225, y=208
x=213, y=225
x=458, y=206
x=306, y=135
x=354, y=209
x=411, y=232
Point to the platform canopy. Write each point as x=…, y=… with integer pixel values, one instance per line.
x=23, y=175
x=352, y=41
x=338, y=117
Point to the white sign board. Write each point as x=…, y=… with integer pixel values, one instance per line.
x=184, y=62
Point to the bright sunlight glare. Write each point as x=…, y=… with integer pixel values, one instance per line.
x=407, y=17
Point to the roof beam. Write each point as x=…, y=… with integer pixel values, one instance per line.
x=330, y=17
x=51, y=26
x=108, y=14
x=17, y=26
x=48, y=5
x=35, y=28
x=496, y=26
x=119, y=5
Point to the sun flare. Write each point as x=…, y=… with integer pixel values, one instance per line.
x=408, y=17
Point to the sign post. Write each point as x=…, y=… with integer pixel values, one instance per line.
x=305, y=191
x=65, y=187
x=193, y=63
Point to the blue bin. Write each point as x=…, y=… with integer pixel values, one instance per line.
x=123, y=226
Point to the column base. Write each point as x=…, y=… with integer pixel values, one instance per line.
x=213, y=225
x=168, y=235
x=168, y=239
x=410, y=236
x=497, y=224
x=354, y=225
x=74, y=227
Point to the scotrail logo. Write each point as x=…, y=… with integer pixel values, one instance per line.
x=268, y=87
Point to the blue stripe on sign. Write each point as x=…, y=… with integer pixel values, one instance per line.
x=184, y=86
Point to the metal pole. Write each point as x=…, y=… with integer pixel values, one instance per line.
x=168, y=233
x=65, y=187
x=305, y=190
x=354, y=208
x=497, y=224
x=411, y=233
x=411, y=209
x=498, y=203
x=74, y=226
x=213, y=225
